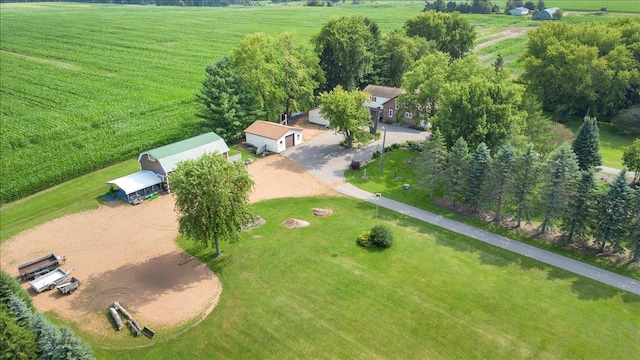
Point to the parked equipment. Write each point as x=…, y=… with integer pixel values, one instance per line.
x=40, y=266
x=68, y=286
x=49, y=281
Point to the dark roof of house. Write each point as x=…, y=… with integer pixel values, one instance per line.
x=384, y=91
x=269, y=130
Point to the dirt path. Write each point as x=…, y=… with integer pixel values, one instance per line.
x=128, y=254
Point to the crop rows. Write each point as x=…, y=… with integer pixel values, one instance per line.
x=85, y=86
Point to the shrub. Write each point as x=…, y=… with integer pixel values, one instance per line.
x=376, y=154
x=381, y=236
x=355, y=165
x=363, y=239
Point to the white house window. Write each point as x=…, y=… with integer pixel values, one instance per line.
x=397, y=106
x=408, y=115
x=374, y=99
x=390, y=113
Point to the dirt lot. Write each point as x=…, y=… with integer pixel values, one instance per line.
x=127, y=253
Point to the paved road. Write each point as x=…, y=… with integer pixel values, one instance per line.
x=324, y=159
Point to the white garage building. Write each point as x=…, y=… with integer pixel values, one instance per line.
x=275, y=137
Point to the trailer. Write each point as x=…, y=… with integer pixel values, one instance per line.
x=40, y=266
x=68, y=286
x=49, y=280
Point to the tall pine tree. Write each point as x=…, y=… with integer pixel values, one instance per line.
x=432, y=166
x=525, y=177
x=587, y=144
x=614, y=214
x=457, y=169
x=478, y=175
x=500, y=177
x=634, y=233
x=560, y=176
x=579, y=212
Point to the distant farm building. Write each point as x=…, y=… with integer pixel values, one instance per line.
x=547, y=14
x=519, y=11
x=272, y=136
x=157, y=164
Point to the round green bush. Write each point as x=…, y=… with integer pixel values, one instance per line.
x=381, y=236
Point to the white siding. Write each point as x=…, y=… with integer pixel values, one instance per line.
x=257, y=141
x=316, y=118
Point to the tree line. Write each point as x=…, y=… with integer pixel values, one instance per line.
x=559, y=190
x=27, y=334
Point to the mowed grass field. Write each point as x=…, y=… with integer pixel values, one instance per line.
x=313, y=293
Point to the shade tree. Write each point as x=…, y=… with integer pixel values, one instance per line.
x=345, y=46
x=277, y=72
x=212, y=199
x=452, y=33
x=346, y=113
x=225, y=102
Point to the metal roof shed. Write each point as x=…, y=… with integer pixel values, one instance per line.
x=163, y=160
x=137, y=186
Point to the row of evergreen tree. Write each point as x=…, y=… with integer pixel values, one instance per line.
x=560, y=191
x=27, y=334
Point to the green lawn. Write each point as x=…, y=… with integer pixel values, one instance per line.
x=313, y=293
x=398, y=170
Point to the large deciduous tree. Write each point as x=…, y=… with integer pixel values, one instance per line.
x=225, y=102
x=451, y=33
x=587, y=144
x=345, y=46
x=577, y=67
x=482, y=106
x=631, y=159
x=432, y=164
x=424, y=81
x=346, y=113
x=628, y=120
x=560, y=175
x=465, y=99
x=399, y=53
x=212, y=199
x=281, y=75
x=614, y=214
